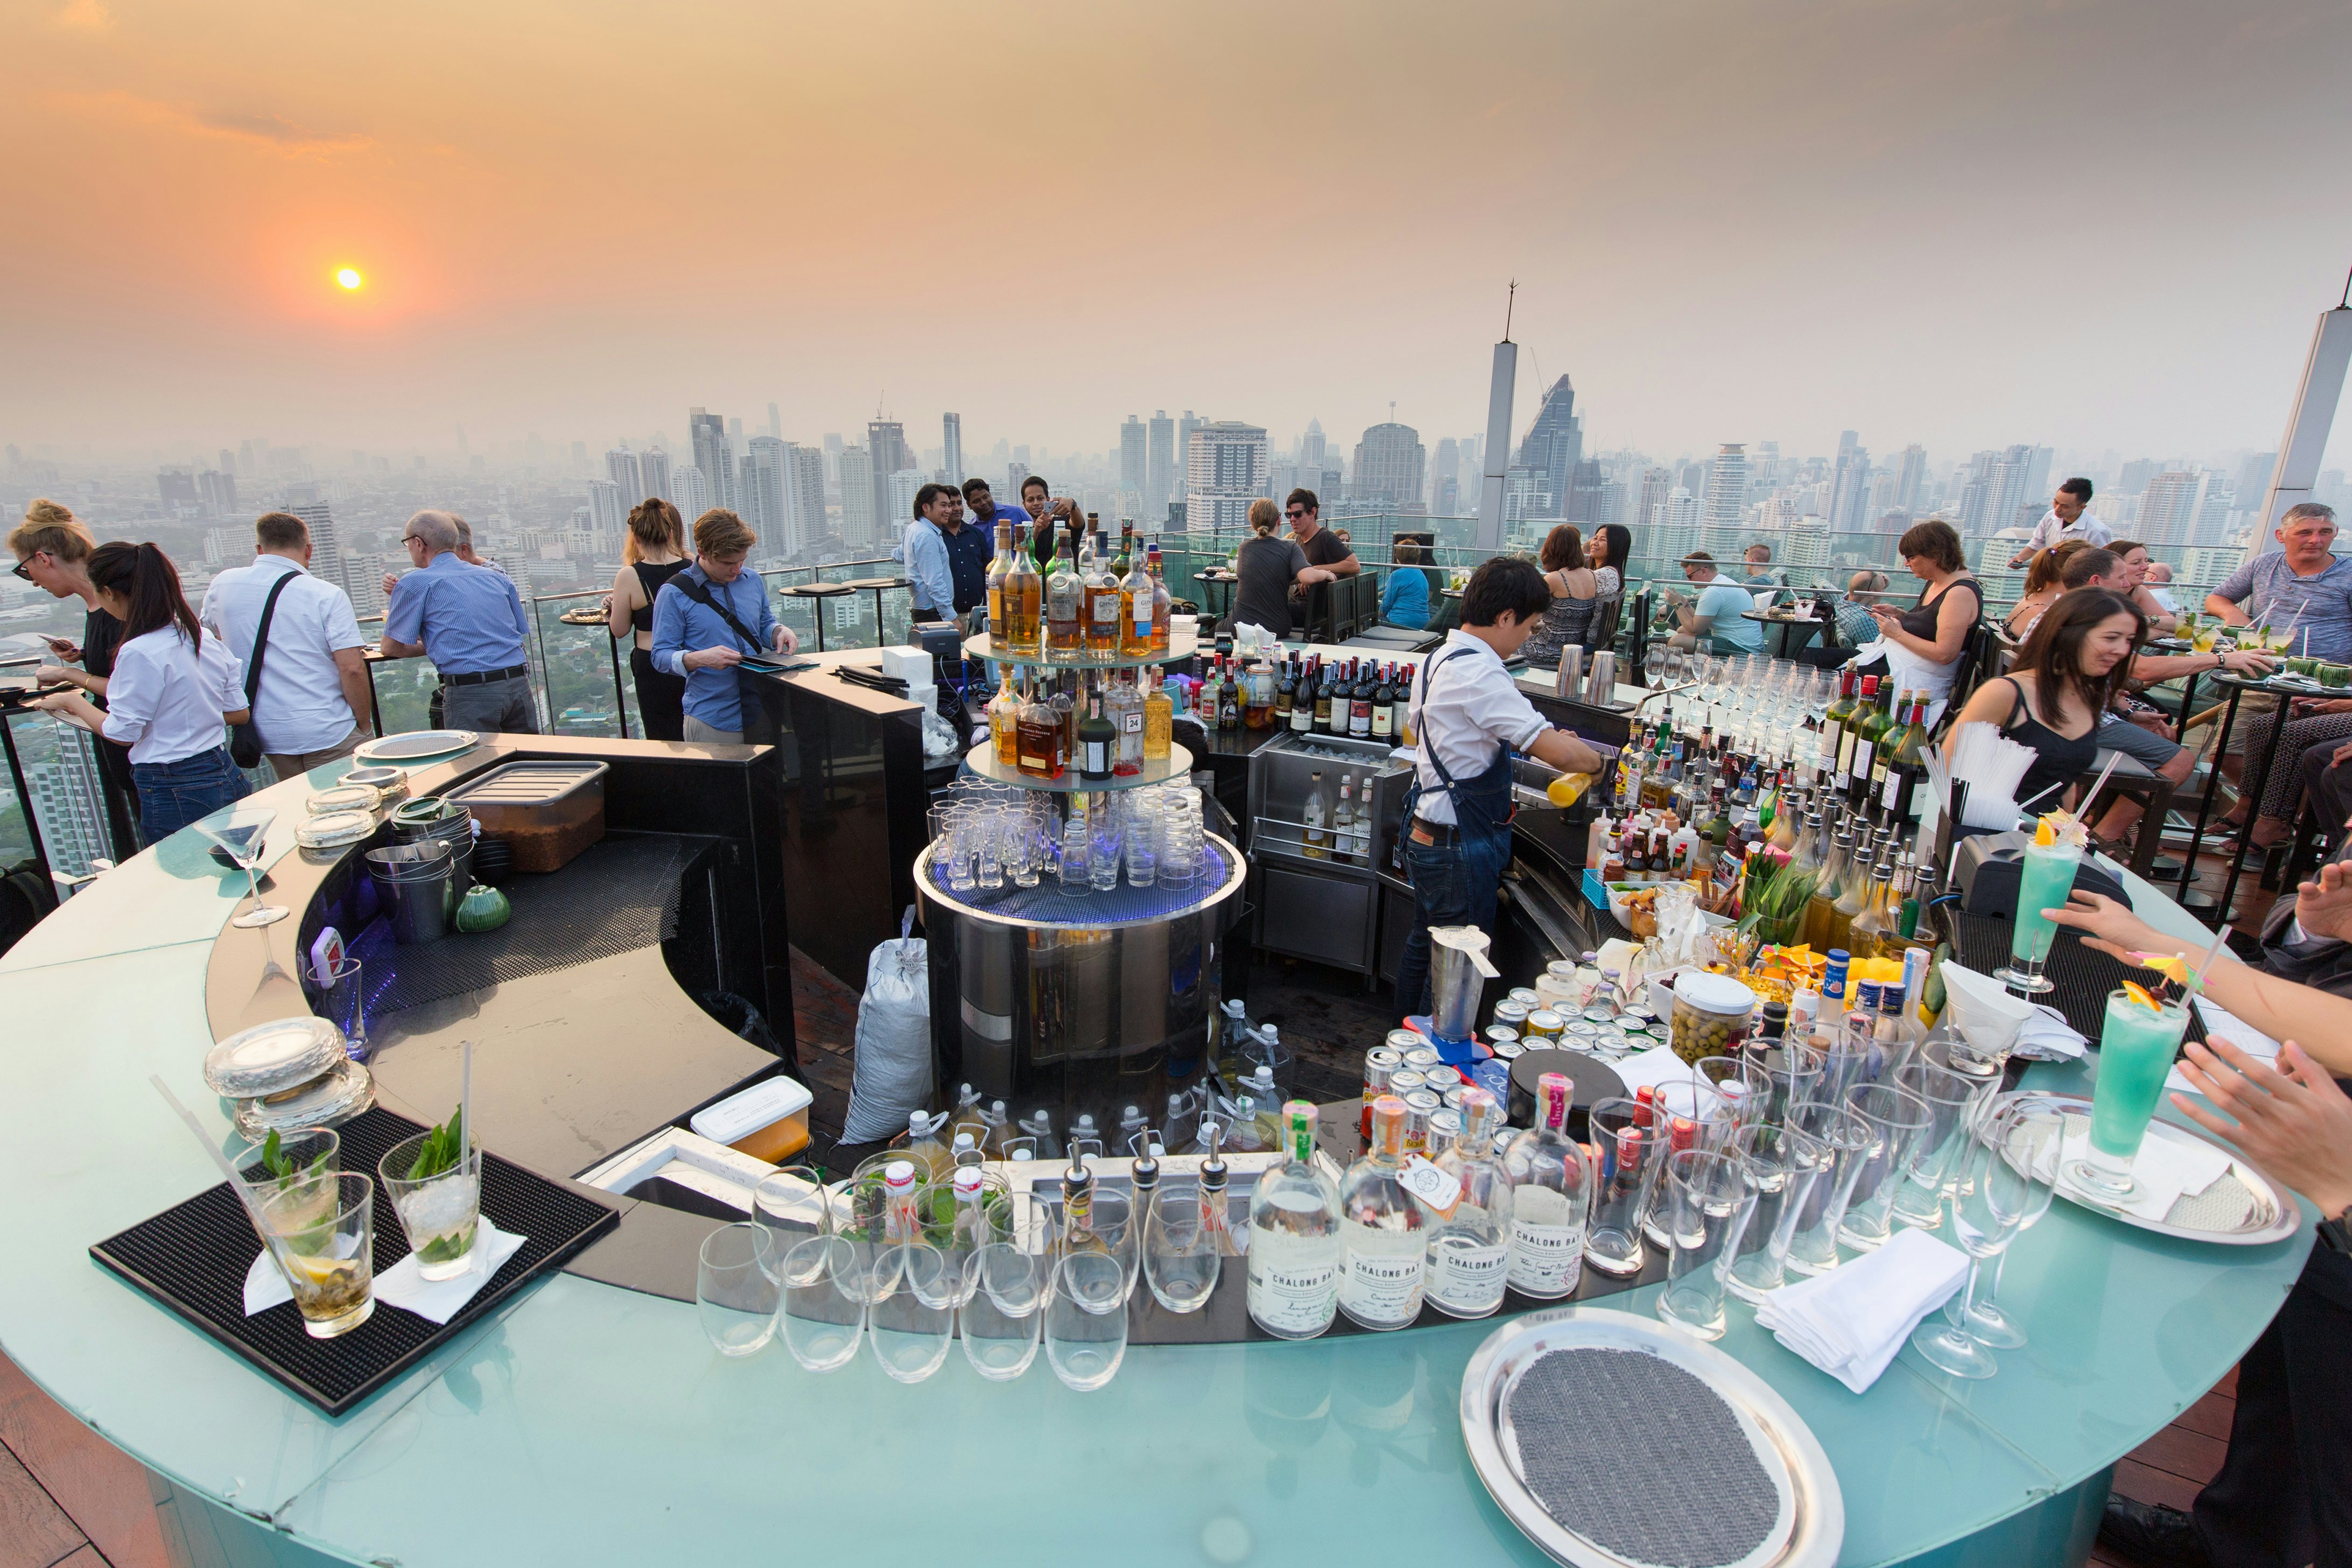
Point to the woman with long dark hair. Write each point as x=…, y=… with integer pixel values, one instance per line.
x=1575, y=595
x=654, y=552
x=172, y=690
x=2070, y=672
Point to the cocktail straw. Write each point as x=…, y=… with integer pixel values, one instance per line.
x=195, y=1130
x=2083, y=811
x=466, y=1102
x=2197, y=981
x=2038, y=794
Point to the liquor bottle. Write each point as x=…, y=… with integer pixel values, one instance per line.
x=1229, y=700
x=1005, y=722
x=1343, y=824
x=1040, y=738
x=1022, y=593
x=1839, y=714
x=1158, y=719
x=1258, y=696
x=1216, y=1209
x=1359, y=705
x=1383, y=1235
x=1102, y=603
x=998, y=569
x=1384, y=705
x=1364, y=823
x=1400, y=721
x=1323, y=688
x=1716, y=826
x=1134, y=603
x=1066, y=608
x=1286, y=694
x=1125, y=562
x=1065, y=703
x=1163, y=602
x=1907, y=767
x=1464, y=1202
x=1821, y=909
x=1853, y=896
x=1867, y=731
x=1850, y=734
x=1551, y=1190
x=1098, y=743
x=1315, y=839
x=1295, y=1250
x=1874, y=933
x=1123, y=705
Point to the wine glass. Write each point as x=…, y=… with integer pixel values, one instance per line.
x=1653, y=659
x=2005, y=1183
x=237, y=832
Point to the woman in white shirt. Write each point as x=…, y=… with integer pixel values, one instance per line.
x=172, y=688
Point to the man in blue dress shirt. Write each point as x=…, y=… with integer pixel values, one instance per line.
x=468, y=619
x=707, y=618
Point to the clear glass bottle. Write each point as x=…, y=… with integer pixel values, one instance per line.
x=1123, y=705
x=1315, y=836
x=1024, y=597
x=1135, y=606
x=1163, y=603
x=1295, y=1249
x=1383, y=1232
x=1102, y=601
x=1468, y=1248
x=1159, y=722
x=1552, y=1194
x=1343, y=824
x=1004, y=721
x=1066, y=604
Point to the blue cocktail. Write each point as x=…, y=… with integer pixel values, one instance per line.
x=2044, y=883
x=2137, y=1043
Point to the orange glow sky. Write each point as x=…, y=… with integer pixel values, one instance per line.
x=2094, y=223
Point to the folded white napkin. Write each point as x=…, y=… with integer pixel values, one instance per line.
x=1648, y=1069
x=401, y=1285
x=2048, y=1037
x=2166, y=1169
x=1852, y=1321
x=2226, y=1025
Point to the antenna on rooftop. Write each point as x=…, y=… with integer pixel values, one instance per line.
x=1511, y=301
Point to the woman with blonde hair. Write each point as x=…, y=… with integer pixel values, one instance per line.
x=2043, y=584
x=172, y=688
x=1575, y=595
x=654, y=552
x=52, y=548
x=1268, y=566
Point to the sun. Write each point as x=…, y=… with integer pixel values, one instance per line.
x=349, y=277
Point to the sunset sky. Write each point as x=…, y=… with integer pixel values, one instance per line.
x=2105, y=224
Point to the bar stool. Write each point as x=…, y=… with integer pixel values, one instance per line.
x=877, y=586
x=818, y=593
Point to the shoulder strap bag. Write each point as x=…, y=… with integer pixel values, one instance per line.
x=245, y=740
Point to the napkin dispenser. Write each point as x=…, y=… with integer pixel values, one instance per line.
x=1990, y=866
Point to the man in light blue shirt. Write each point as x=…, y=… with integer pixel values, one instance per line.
x=468, y=620
x=926, y=551
x=708, y=619
x=1716, y=617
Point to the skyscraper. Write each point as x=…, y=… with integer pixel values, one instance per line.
x=1657, y=484
x=1911, y=477
x=1159, y=468
x=1225, y=468
x=1184, y=429
x=652, y=475
x=904, y=486
x=713, y=455
x=1131, y=455
x=2168, y=512
x=216, y=489
x=1555, y=442
x=178, y=488
x=1445, y=476
x=608, y=514
x=886, y=454
x=1727, y=488
x=326, y=550
x=621, y=468
x=775, y=423
x=765, y=471
x=952, y=433
x=1311, y=445
x=1850, y=488
x=860, y=515
x=1389, y=463
x=803, y=497
x=690, y=493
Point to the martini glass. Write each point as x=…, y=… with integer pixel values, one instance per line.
x=238, y=832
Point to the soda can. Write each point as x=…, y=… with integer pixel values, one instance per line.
x=1421, y=1058
x=1405, y=1080
x=1381, y=1065
x=1401, y=1040
x=1419, y=1107
x=1440, y=1077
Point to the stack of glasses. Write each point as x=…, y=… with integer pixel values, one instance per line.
x=988, y=836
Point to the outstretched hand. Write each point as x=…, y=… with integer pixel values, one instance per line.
x=2293, y=1120
x=2109, y=925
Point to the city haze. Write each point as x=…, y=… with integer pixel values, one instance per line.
x=2096, y=226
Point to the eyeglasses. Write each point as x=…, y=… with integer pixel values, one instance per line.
x=412, y=538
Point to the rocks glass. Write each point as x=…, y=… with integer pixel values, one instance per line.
x=441, y=1213
x=326, y=1250
x=735, y=1290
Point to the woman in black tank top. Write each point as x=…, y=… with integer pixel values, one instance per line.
x=654, y=553
x=2069, y=672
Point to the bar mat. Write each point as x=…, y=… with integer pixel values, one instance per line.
x=617, y=896
x=193, y=1259
x=2083, y=977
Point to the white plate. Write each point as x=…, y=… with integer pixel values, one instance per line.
x=1814, y=1509
x=417, y=746
x=2275, y=1216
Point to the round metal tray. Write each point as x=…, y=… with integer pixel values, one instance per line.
x=2272, y=1215
x=1812, y=1523
x=418, y=746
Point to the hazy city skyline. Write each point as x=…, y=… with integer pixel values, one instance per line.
x=2094, y=224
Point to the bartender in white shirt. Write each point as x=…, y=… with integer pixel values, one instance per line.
x=2069, y=517
x=1468, y=717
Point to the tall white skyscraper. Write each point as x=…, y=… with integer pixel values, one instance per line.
x=653, y=476
x=904, y=484
x=886, y=454
x=1911, y=477
x=859, y=518
x=691, y=494
x=1311, y=445
x=2168, y=512
x=803, y=497
x=1657, y=484
x=1225, y=469
x=1727, y=487
x=608, y=514
x=1131, y=464
x=952, y=433
x=1850, y=488
x=326, y=550
x=1159, y=468
x=1388, y=462
x=621, y=468
x=714, y=455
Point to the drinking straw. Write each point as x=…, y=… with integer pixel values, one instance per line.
x=2083, y=810
x=2043, y=790
x=2197, y=981
x=195, y=1130
x=466, y=1102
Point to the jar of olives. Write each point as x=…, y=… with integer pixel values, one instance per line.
x=1711, y=1016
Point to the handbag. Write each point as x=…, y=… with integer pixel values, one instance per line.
x=245, y=740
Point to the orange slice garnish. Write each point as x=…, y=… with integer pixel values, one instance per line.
x=2133, y=989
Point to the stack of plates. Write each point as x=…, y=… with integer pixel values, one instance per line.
x=288, y=1073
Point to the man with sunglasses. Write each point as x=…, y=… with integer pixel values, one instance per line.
x=469, y=621
x=1303, y=512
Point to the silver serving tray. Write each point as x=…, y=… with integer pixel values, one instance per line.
x=1812, y=1518
x=417, y=746
x=2275, y=1216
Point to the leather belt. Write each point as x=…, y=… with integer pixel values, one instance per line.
x=484, y=678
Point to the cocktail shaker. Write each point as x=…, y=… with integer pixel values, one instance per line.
x=1601, y=685
x=1569, y=682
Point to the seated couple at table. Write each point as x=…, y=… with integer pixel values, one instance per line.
x=1272, y=575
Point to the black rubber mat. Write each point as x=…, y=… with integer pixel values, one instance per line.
x=620, y=894
x=193, y=1259
x=2083, y=977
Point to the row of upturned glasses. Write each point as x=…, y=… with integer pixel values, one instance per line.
x=988, y=836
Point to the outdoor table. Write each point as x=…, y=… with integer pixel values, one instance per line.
x=1217, y=578
x=589, y=1423
x=1787, y=624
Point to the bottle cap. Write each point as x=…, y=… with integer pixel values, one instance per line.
x=967, y=1182
x=898, y=1174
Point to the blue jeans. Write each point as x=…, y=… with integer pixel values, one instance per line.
x=173, y=794
x=1453, y=884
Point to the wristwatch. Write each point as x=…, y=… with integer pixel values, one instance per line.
x=2337, y=1233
